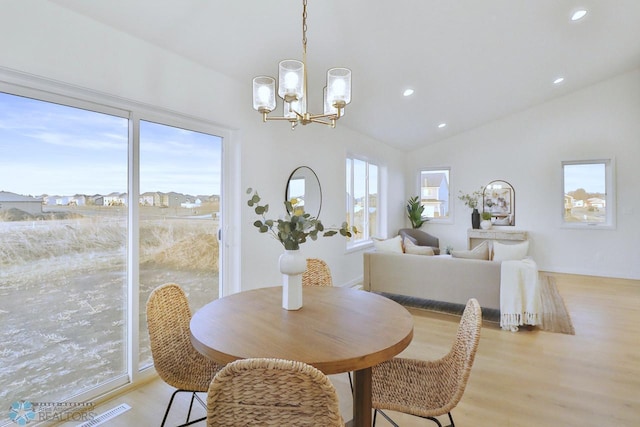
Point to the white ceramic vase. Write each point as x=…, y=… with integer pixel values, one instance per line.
x=292, y=265
x=485, y=224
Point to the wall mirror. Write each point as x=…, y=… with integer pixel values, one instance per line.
x=499, y=198
x=304, y=185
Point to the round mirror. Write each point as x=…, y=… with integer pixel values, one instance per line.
x=303, y=185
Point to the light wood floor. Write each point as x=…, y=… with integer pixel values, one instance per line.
x=527, y=378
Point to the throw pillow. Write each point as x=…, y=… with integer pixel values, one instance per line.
x=411, y=248
x=479, y=252
x=406, y=237
x=513, y=252
x=389, y=245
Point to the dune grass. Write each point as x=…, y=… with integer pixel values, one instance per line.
x=63, y=287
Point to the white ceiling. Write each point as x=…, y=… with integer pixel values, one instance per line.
x=469, y=61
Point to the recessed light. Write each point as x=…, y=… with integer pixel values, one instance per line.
x=407, y=92
x=558, y=80
x=578, y=14
x=441, y=125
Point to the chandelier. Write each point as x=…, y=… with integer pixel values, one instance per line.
x=292, y=88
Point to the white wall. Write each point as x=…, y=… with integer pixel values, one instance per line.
x=51, y=42
x=526, y=149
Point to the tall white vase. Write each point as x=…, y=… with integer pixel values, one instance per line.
x=292, y=265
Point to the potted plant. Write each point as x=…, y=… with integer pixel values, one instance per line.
x=471, y=201
x=291, y=230
x=414, y=212
x=485, y=224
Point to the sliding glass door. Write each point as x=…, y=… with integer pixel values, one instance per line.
x=78, y=180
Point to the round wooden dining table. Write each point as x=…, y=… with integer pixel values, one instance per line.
x=336, y=330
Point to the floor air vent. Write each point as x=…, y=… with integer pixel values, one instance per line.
x=106, y=416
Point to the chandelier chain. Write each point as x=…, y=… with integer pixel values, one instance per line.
x=304, y=26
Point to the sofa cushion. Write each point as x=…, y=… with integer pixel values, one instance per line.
x=479, y=252
x=389, y=245
x=510, y=252
x=411, y=248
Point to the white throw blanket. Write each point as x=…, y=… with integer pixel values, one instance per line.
x=520, y=301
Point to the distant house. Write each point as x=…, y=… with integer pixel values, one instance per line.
x=435, y=195
x=596, y=202
x=75, y=200
x=115, y=199
x=149, y=199
x=189, y=204
x=16, y=201
x=78, y=200
x=98, y=200
x=173, y=199
x=569, y=202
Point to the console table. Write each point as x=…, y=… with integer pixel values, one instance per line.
x=497, y=234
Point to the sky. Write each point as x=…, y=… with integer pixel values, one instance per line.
x=52, y=149
x=590, y=177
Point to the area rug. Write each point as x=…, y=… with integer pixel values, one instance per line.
x=555, y=317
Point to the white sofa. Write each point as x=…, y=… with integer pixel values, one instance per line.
x=438, y=278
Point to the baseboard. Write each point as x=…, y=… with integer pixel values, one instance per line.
x=355, y=283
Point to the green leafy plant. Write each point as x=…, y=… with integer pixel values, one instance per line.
x=486, y=216
x=414, y=212
x=296, y=226
x=471, y=200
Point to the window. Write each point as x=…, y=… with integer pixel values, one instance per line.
x=362, y=200
x=588, y=193
x=434, y=193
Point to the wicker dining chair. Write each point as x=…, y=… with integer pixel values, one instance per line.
x=429, y=389
x=317, y=273
x=272, y=392
x=176, y=361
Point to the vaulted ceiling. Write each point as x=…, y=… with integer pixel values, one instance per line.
x=468, y=61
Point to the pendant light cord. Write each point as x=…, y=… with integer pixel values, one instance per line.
x=304, y=50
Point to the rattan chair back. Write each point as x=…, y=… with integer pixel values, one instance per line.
x=430, y=388
x=272, y=392
x=176, y=361
x=317, y=273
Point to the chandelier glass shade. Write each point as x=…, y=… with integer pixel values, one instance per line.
x=292, y=89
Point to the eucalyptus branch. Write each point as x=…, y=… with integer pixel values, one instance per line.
x=296, y=226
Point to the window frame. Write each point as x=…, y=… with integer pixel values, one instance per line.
x=38, y=88
x=610, y=195
x=443, y=220
x=367, y=239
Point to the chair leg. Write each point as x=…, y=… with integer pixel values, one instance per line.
x=386, y=417
x=169, y=407
x=193, y=396
x=188, y=423
x=452, y=424
x=435, y=420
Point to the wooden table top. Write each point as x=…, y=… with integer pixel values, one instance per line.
x=336, y=330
